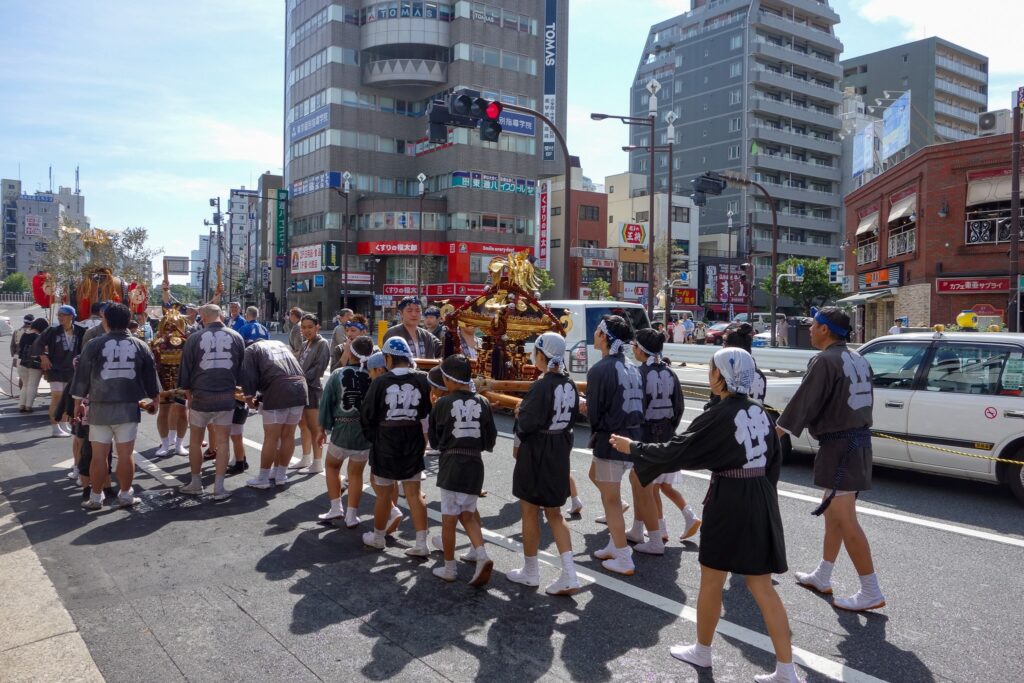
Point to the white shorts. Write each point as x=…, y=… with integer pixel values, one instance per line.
x=610, y=471
x=121, y=433
x=454, y=504
x=838, y=493
x=202, y=419
x=670, y=478
x=237, y=430
x=338, y=453
x=381, y=481
x=58, y=387
x=282, y=416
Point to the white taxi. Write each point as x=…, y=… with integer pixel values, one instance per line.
x=955, y=391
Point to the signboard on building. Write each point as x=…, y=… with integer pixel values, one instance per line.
x=307, y=259
x=281, y=221
x=400, y=290
x=33, y=225
x=684, y=297
x=318, y=280
x=896, y=126
x=723, y=283
x=633, y=234
x=971, y=285
x=332, y=255
x=598, y=263
x=37, y=197
x=516, y=123
x=634, y=291
x=404, y=248
x=550, y=74
x=880, y=279
x=680, y=259
x=540, y=244
x=309, y=124
x=836, y=271
x=863, y=150
x=455, y=289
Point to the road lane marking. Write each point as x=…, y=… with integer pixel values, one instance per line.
x=154, y=470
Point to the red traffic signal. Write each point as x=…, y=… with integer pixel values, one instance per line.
x=492, y=112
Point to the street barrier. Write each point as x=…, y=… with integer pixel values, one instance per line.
x=767, y=358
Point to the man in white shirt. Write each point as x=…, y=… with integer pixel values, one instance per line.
x=679, y=333
x=897, y=327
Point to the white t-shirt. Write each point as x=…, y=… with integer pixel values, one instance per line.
x=679, y=333
x=895, y=329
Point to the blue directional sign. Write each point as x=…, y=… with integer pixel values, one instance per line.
x=799, y=270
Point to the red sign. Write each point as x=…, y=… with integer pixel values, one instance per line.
x=543, y=221
x=496, y=249
x=403, y=248
x=455, y=289
x=400, y=290
x=598, y=263
x=876, y=279
x=633, y=233
x=971, y=285
x=684, y=297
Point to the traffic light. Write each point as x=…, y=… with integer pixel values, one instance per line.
x=709, y=183
x=490, y=126
x=469, y=109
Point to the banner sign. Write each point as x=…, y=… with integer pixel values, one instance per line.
x=550, y=109
x=307, y=259
x=896, y=126
x=281, y=221
x=309, y=124
x=481, y=180
x=455, y=289
x=684, y=297
x=516, y=123
x=36, y=197
x=400, y=290
x=332, y=255
x=723, y=283
x=971, y=285
x=543, y=222
x=33, y=225
x=313, y=183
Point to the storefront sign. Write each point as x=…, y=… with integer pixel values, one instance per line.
x=496, y=249
x=404, y=248
x=281, y=221
x=33, y=226
x=400, y=290
x=540, y=245
x=307, y=259
x=633, y=233
x=318, y=280
x=550, y=102
x=971, y=285
x=598, y=263
x=634, y=291
x=455, y=289
x=880, y=279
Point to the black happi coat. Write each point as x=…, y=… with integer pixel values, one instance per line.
x=391, y=418
x=663, y=402
x=544, y=424
x=462, y=428
x=615, y=404
x=742, y=527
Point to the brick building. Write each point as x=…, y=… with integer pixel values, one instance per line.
x=929, y=238
x=589, y=257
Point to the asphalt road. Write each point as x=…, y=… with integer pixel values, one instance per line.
x=254, y=589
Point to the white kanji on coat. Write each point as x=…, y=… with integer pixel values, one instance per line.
x=401, y=400
x=660, y=389
x=467, y=418
x=216, y=348
x=752, y=430
x=118, y=359
x=858, y=372
x=632, y=388
x=564, y=402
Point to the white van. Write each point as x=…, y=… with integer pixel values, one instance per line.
x=759, y=319
x=586, y=316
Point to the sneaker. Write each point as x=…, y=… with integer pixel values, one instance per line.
x=635, y=537
x=90, y=504
x=73, y=474
x=468, y=556
x=300, y=462
x=370, y=540
x=520, y=576
x=351, y=518
x=563, y=585
x=690, y=530
x=418, y=551
x=859, y=602
x=258, y=483
x=443, y=572
x=790, y=676
x=690, y=655
x=127, y=500
x=622, y=563
x=223, y=494
x=394, y=520
x=193, y=488
x=483, y=573
x=281, y=479
x=812, y=581
x=316, y=468
x=333, y=513
x=651, y=547
x=436, y=541
x=165, y=449
x=183, y=450
x=239, y=467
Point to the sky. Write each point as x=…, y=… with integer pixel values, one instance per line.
x=165, y=104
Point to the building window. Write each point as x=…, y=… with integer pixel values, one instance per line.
x=556, y=211
x=634, y=272
x=903, y=240
x=589, y=213
x=735, y=69
x=734, y=151
x=736, y=97
x=734, y=124
x=733, y=206
x=736, y=42
x=680, y=214
x=641, y=216
x=867, y=250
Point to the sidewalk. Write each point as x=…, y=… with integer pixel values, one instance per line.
x=38, y=639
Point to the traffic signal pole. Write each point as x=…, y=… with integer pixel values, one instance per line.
x=1014, y=307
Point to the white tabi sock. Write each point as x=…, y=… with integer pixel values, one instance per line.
x=824, y=572
x=869, y=586
x=637, y=529
x=421, y=539
x=197, y=479
x=336, y=505
x=218, y=482
x=265, y=474
x=568, y=564
x=172, y=436
x=530, y=565
x=378, y=535
x=481, y=553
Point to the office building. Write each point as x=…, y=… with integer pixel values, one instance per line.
x=358, y=83
x=948, y=87
x=32, y=220
x=755, y=89
x=269, y=188
x=197, y=264
x=242, y=237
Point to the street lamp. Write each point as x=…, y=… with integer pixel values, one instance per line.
x=343, y=191
x=653, y=86
x=419, y=258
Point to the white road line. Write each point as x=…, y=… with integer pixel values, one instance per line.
x=822, y=665
x=153, y=470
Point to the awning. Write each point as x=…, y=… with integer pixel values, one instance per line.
x=868, y=224
x=980, y=191
x=860, y=298
x=903, y=207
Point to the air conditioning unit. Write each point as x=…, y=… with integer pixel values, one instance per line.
x=994, y=123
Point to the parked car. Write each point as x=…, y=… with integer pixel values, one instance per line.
x=758, y=319
x=715, y=333
x=586, y=316
x=959, y=391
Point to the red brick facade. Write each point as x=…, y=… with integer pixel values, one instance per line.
x=937, y=248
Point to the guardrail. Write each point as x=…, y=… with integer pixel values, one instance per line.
x=792, y=360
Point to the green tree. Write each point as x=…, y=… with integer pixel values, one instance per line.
x=15, y=282
x=600, y=290
x=545, y=282
x=815, y=290
x=184, y=294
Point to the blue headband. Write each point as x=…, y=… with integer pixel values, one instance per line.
x=356, y=324
x=835, y=329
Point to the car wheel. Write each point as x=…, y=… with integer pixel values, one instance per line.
x=718, y=341
x=1015, y=480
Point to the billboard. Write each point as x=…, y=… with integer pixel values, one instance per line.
x=550, y=75
x=33, y=226
x=542, y=235
x=863, y=151
x=307, y=259
x=280, y=222
x=723, y=284
x=896, y=126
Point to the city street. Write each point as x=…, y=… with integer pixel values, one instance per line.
x=255, y=589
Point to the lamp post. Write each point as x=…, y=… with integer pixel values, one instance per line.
x=343, y=191
x=1013, y=317
x=652, y=87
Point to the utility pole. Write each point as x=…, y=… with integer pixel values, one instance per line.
x=1014, y=307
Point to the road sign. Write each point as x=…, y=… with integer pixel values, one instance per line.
x=279, y=262
x=799, y=275
x=176, y=265
x=653, y=86
x=836, y=271
x=684, y=277
x=346, y=175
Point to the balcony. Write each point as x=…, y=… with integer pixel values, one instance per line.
x=781, y=162
x=800, y=85
x=798, y=28
x=795, y=220
x=799, y=112
x=961, y=91
x=903, y=242
x=818, y=8
x=957, y=113
x=804, y=195
x=989, y=227
x=796, y=248
x=786, y=136
x=953, y=133
x=960, y=68
x=788, y=55
x=593, y=252
x=867, y=252
x=405, y=72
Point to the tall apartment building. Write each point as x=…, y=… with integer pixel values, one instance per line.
x=948, y=86
x=359, y=78
x=755, y=87
x=30, y=221
x=270, y=277
x=242, y=242
x=197, y=264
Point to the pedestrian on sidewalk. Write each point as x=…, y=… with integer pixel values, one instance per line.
x=742, y=529
x=835, y=402
x=211, y=365
x=56, y=349
x=271, y=371
x=115, y=371
x=26, y=323
x=540, y=479
x=462, y=428
x=29, y=369
x=314, y=357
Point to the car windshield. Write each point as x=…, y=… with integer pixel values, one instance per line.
x=719, y=326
